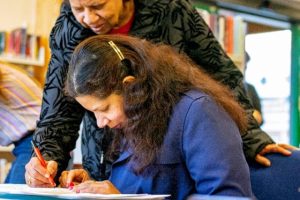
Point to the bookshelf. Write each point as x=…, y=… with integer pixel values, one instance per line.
x=229, y=29
x=20, y=47
x=281, y=15
x=40, y=62
x=38, y=17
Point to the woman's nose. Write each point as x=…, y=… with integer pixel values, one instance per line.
x=102, y=122
x=89, y=17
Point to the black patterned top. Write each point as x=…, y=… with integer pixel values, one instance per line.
x=173, y=22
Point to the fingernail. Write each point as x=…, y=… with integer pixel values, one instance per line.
x=77, y=191
x=47, y=175
x=71, y=186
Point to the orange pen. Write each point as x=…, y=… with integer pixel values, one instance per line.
x=43, y=162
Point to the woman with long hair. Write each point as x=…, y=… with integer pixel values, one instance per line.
x=176, y=130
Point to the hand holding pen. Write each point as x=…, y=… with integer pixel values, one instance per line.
x=40, y=173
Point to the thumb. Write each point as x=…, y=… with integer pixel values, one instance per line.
x=52, y=167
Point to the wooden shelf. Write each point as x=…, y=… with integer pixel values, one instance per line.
x=6, y=152
x=25, y=61
x=6, y=148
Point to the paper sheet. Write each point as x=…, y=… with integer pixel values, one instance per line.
x=67, y=194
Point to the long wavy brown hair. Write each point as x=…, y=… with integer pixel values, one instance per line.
x=161, y=77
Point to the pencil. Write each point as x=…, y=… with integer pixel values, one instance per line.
x=41, y=159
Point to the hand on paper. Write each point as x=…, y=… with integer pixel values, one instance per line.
x=74, y=176
x=284, y=149
x=38, y=176
x=96, y=187
x=83, y=184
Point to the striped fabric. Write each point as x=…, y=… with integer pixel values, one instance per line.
x=20, y=106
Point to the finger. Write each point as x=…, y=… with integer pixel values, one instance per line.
x=97, y=187
x=289, y=147
x=64, y=184
x=33, y=182
x=63, y=179
x=69, y=177
x=278, y=149
x=283, y=151
x=267, y=149
x=38, y=183
x=262, y=160
x=84, y=175
x=77, y=175
x=37, y=173
x=73, y=174
x=52, y=168
x=32, y=164
x=36, y=170
x=90, y=187
x=274, y=148
x=27, y=179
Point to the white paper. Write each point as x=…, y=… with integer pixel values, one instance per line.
x=68, y=194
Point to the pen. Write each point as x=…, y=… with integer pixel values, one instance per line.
x=43, y=163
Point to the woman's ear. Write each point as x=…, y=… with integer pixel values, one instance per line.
x=128, y=79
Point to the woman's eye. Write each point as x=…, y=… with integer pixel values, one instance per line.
x=77, y=9
x=97, y=7
x=104, y=109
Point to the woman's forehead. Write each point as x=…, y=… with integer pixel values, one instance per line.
x=91, y=2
